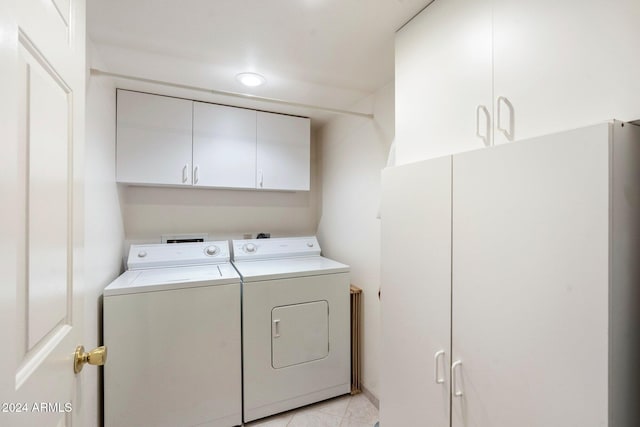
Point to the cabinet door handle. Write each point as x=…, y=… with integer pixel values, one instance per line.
x=196, y=176
x=436, y=359
x=261, y=178
x=184, y=173
x=454, y=379
x=276, y=328
x=485, y=138
x=508, y=133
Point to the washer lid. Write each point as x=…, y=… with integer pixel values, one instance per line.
x=171, y=278
x=177, y=254
x=253, y=271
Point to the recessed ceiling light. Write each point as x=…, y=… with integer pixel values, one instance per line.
x=251, y=79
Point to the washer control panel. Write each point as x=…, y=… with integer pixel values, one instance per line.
x=287, y=247
x=177, y=254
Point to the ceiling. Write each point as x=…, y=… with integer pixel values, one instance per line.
x=327, y=52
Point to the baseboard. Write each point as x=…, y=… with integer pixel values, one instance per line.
x=372, y=398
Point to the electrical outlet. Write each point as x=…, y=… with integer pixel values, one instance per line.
x=246, y=236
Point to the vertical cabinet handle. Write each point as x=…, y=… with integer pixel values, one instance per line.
x=436, y=360
x=196, y=176
x=260, y=178
x=508, y=133
x=487, y=125
x=276, y=328
x=454, y=379
x=184, y=173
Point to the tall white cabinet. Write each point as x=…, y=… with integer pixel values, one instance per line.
x=542, y=250
x=416, y=309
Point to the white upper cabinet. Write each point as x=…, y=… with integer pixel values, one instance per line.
x=224, y=146
x=527, y=68
x=153, y=139
x=169, y=141
x=443, y=80
x=565, y=64
x=283, y=154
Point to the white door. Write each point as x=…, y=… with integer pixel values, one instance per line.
x=300, y=333
x=224, y=146
x=565, y=64
x=416, y=293
x=443, y=80
x=42, y=57
x=153, y=139
x=283, y=153
x=530, y=283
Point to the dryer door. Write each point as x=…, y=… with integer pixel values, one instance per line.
x=299, y=333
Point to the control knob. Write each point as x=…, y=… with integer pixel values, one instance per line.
x=250, y=248
x=142, y=254
x=211, y=250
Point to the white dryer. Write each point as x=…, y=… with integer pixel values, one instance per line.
x=296, y=324
x=172, y=330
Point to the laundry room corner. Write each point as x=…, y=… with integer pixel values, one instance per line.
x=104, y=230
x=352, y=152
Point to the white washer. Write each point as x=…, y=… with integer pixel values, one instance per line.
x=296, y=330
x=172, y=331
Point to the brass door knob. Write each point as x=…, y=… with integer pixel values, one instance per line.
x=97, y=356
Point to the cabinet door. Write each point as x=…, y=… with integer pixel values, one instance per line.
x=153, y=139
x=416, y=294
x=530, y=282
x=283, y=157
x=566, y=64
x=443, y=73
x=224, y=146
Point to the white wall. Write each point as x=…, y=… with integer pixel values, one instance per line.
x=352, y=152
x=104, y=231
x=149, y=212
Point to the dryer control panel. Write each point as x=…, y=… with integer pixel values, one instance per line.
x=287, y=247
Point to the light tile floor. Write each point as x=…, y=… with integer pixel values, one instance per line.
x=343, y=411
